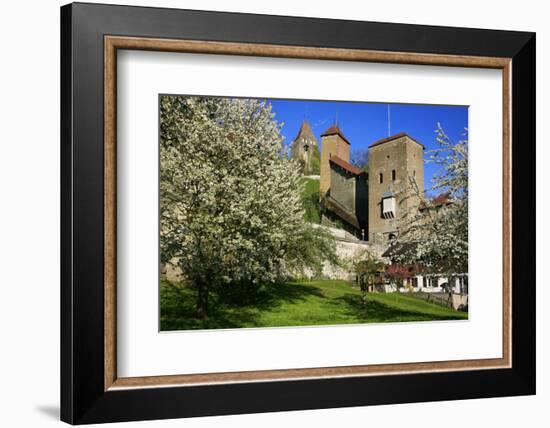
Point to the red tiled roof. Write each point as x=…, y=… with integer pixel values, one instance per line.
x=438, y=201
x=393, y=137
x=442, y=199
x=346, y=165
x=334, y=130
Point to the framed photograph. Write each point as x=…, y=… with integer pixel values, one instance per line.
x=267, y=213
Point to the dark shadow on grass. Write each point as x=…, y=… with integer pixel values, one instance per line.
x=374, y=311
x=274, y=295
x=231, y=311
x=178, y=306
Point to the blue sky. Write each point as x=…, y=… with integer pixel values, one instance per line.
x=364, y=123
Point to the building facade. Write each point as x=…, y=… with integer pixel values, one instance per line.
x=346, y=201
x=343, y=186
x=334, y=143
x=370, y=205
x=396, y=167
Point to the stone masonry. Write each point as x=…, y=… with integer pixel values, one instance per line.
x=393, y=163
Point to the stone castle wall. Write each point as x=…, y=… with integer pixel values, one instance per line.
x=331, y=145
x=404, y=156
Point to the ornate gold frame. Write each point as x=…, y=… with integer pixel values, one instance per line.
x=113, y=43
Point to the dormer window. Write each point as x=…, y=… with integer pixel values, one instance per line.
x=388, y=205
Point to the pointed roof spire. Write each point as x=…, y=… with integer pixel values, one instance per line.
x=305, y=133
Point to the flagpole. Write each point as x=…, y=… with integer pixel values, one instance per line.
x=389, y=122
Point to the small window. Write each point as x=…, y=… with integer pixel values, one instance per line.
x=380, y=178
x=414, y=172
x=393, y=175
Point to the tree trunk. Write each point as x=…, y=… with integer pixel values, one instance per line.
x=202, y=300
x=450, y=291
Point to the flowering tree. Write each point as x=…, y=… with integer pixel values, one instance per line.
x=230, y=203
x=439, y=230
x=368, y=268
x=398, y=273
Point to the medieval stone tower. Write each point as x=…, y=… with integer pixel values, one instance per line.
x=334, y=144
x=393, y=163
x=305, y=149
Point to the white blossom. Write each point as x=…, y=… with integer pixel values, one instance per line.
x=231, y=208
x=440, y=233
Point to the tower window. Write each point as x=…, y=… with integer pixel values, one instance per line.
x=388, y=207
x=380, y=178
x=393, y=174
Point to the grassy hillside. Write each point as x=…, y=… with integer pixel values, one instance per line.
x=310, y=198
x=325, y=302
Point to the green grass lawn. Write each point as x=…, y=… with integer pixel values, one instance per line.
x=325, y=302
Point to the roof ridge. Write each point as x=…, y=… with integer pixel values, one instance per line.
x=346, y=165
x=335, y=130
x=394, y=137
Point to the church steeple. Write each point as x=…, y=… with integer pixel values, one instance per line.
x=305, y=149
x=305, y=135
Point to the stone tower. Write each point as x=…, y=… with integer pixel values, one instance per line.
x=393, y=162
x=305, y=149
x=334, y=143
